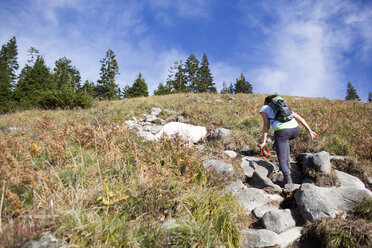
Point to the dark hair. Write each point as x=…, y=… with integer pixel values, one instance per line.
x=268, y=99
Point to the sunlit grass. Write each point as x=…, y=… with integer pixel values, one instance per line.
x=92, y=182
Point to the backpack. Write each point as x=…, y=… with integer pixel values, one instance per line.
x=281, y=109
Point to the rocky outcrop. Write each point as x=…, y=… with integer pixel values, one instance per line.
x=222, y=168
x=317, y=202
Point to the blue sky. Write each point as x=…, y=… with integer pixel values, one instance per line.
x=303, y=48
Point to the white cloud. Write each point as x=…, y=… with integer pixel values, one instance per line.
x=223, y=72
x=304, y=48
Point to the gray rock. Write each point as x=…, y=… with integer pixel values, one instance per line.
x=277, y=177
x=336, y=157
x=133, y=124
x=259, y=212
x=235, y=186
x=278, y=220
x=251, y=198
x=319, y=161
x=261, y=181
x=180, y=118
x=370, y=180
x=155, y=111
x=46, y=241
x=288, y=237
x=150, y=118
x=265, y=238
x=153, y=129
x=231, y=154
x=219, y=133
x=288, y=188
x=347, y=180
x=316, y=202
x=252, y=164
x=146, y=135
x=221, y=168
x=259, y=238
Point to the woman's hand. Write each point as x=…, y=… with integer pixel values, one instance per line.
x=262, y=145
x=313, y=135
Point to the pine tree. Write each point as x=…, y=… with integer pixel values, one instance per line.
x=191, y=69
x=242, y=86
x=163, y=89
x=224, y=90
x=179, y=82
x=33, y=81
x=351, y=94
x=8, y=68
x=139, y=88
x=231, y=88
x=107, y=88
x=205, y=79
x=88, y=88
x=66, y=75
x=370, y=97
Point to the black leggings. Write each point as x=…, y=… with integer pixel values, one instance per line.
x=282, y=138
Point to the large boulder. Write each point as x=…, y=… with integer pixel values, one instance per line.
x=187, y=132
x=347, y=180
x=319, y=161
x=265, y=238
x=261, y=181
x=222, y=168
x=251, y=198
x=278, y=220
x=316, y=202
x=254, y=164
x=235, y=186
x=253, y=238
x=259, y=212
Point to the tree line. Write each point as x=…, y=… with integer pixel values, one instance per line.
x=37, y=86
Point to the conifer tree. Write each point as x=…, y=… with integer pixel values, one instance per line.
x=107, y=88
x=224, y=90
x=231, y=88
x=8, y=67
x=351, y=94
x=163, y=89
x=242, y=86
x=139, y=88
x=33, y=81
x=191, y=69
x=179, y=82
x=370, y=97
x=205, y=79
x=65, y=75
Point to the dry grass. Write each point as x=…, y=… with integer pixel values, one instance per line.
x=95, y=183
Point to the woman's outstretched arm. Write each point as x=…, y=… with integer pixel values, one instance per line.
x=265, y=128
x=313, y=134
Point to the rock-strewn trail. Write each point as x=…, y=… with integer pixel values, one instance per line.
x=280, y=226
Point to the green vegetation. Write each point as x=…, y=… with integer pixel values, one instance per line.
x=354, y=231
x=83, y=176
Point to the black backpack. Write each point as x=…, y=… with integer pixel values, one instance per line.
x=281, y=109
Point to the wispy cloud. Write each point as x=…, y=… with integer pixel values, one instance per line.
x=305, y=46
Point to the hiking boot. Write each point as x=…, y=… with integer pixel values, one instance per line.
x=288, y=180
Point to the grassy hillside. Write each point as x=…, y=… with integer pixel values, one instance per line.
x=82, y=175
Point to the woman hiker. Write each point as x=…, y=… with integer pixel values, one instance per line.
x=284, y=131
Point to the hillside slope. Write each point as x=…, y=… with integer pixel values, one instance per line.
x=84, y=176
